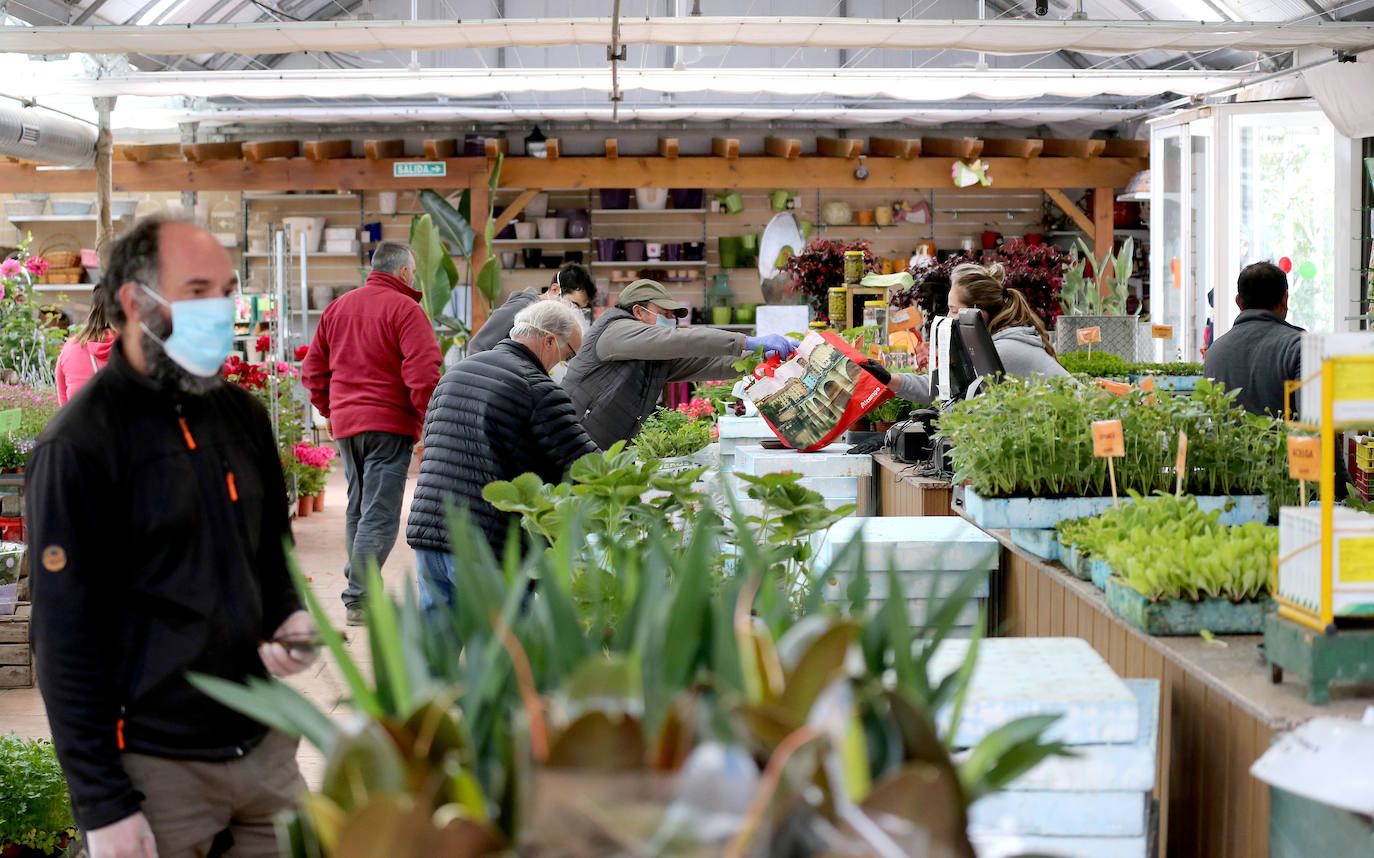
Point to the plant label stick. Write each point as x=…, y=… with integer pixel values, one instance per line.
x=1109, y=443
x=1304, y=461
x=1162, y=332
x=1181, y=464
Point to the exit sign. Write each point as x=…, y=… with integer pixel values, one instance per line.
x=411, y=169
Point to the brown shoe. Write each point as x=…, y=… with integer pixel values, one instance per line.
x=354, y=616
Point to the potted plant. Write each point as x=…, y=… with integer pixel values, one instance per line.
x=35, y=810
x=314, y=463
x=1098, y=300
x=820, y=267
x=30, y=339
x=674, y=436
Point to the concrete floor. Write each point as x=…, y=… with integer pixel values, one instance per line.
x=320, y=551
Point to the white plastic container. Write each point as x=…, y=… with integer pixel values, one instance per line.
x=1300, y=559
x=652, y=199
x=311, y=227
x=346, y=245
x=340, y=233
x=537, y=207
x=524, y=230
x=551, y=228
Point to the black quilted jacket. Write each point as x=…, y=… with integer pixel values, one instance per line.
x=494, y=416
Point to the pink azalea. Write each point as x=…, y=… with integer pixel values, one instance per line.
x=10, y=268
x=37, y=265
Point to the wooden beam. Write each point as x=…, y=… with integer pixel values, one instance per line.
x=1073, y=148
x=142, y=153
x=837, y=147
x=199, y=152
x=782, y=147
x=1104, y=206
x=612, y=147
x=757, y=172
x=514, y=209
x=887, y=147
x=725, y=147
x=328, y=150
x=962, y=148
x=381, y=150
x=496, y=146
x=1126, y=149
x=1075, y=214
x=667, y=147
x=261, y=150
x=553, y=148
x=439, y=149
x=1012, y=148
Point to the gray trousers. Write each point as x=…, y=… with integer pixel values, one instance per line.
x=375, y=464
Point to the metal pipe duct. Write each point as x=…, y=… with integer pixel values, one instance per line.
x=46, y=137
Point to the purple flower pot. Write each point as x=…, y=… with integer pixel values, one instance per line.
x=605, y=249
x=694, y=251
x=672, y=252
x=474, y=146
x=507, y=231
x=615, y=198
x=634, y=251
x=578, y=222
x=533, y=256
x=686, y=198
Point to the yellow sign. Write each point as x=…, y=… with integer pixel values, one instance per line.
x=1181, y=463
x=1354, y=381
x=1357, y=560
x=1162, y=332
x=1304, y=458
x=1089, y=335
x=1108, y=440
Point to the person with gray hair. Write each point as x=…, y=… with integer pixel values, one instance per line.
x=494, y=416
x=370, y=371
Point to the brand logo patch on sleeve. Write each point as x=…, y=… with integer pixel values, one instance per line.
x=54, y=558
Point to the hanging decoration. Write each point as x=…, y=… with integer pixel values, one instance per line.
x=970, y=173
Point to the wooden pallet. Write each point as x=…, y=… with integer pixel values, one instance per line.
x=16, y=662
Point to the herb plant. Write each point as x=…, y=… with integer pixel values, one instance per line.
x=670, y=433
x=1167, y=548
x=1098, y=364
x=1169, y=369
x=35, y=810
x=1032, y=437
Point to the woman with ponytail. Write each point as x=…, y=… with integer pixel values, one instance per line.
x=1020, y=337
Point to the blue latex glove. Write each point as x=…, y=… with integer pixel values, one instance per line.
x=773, y=344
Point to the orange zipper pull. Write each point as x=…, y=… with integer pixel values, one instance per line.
x=233, y=490
x=119, y=734
x=186, y=433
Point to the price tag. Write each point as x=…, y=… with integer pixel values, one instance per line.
x=1162, y=332
x=1181, y=463
x=901, y=317
x=875, y=352
x=1108, y=441
x=1357, y=560
x=1304, y=458
x=1115, y=388
x=1089, y=335
x=1148, y=384
x=9, y=420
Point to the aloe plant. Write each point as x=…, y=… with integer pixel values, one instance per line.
x=1084, y=296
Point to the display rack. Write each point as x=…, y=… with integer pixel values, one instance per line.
x=1302, y=636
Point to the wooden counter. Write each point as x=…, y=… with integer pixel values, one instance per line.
x=1219, y=710
x=901, y=492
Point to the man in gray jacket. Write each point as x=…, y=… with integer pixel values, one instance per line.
x=637, y=347
x=1261, y=350
x=572, y=283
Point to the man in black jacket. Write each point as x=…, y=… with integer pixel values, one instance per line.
x=157, y=517
x=494, y=416
x=1261, y=351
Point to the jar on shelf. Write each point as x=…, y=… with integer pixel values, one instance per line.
x=875, y=316
x=838, y=300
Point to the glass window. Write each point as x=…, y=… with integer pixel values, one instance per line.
x=1283, y=206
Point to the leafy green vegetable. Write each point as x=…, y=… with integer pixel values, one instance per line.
x=669, y=433
x=35, y=810
x=1167, y=548
x=1098, y=364
x=1170, y=369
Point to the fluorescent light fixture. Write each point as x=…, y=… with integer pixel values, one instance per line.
x=167, y=6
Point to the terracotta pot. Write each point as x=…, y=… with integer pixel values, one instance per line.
x=882, y=426
x=304, y=506
x=319, y=502
x=865, y=217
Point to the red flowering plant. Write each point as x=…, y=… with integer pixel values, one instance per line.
x=1037, y=271
x=311, y=464
x=820, y=268
x=698, y=407
x=272, y=384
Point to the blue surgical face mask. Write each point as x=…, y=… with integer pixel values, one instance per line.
x=202, y=333
x=666, y=321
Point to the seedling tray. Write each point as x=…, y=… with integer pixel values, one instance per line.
x=1024, y=513
x=1218, y=616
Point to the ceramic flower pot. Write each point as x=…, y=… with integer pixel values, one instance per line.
x=721, y=315
x=615, y=198
x=304, y=506
x=686, y=198
x=318, y=506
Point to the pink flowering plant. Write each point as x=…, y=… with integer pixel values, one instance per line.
x=36, y=407
x=311, y=464
x=30, y=336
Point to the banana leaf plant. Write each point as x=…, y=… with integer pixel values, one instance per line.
x=508, y=720
x=442, y=231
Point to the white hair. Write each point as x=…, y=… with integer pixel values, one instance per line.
x=546, y=317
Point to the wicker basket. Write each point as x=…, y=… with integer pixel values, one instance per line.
x=54, y=250
x=65, y=276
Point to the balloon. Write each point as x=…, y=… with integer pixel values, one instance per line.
x=1286, y=264
x=1307, y=270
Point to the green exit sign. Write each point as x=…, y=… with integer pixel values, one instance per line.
x=411, y=169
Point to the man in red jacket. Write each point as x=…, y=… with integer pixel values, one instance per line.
x=370, y=372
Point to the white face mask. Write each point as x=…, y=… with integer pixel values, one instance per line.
x=666, y=321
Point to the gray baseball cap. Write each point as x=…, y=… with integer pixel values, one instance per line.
x=651, y=290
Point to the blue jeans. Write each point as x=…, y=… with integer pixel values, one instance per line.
x=434, y=578
x=375, y=464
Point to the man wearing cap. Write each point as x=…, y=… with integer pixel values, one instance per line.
x=636, y=347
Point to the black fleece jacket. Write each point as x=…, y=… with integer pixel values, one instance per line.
x=156, y=528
